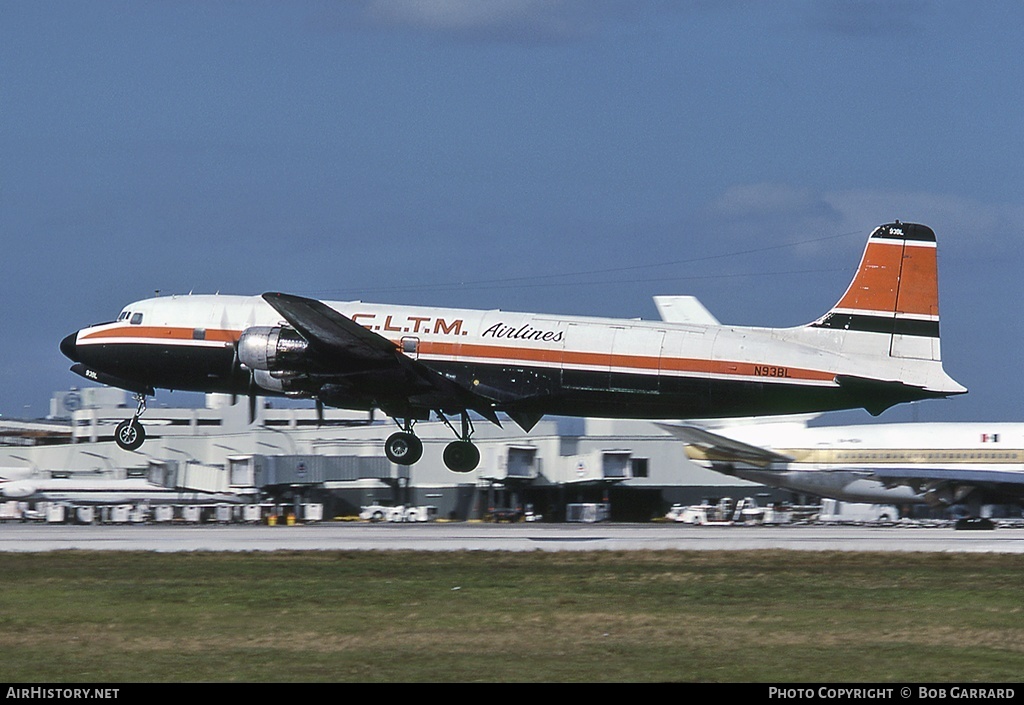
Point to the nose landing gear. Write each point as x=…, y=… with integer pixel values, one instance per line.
x=129, y=434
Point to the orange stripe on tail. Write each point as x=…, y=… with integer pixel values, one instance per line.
x=919, y=282
x=894, y=296
x=898, y=273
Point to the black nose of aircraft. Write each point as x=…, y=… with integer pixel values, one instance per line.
x=69, y=346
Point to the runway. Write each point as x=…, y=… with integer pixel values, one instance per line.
x=503, y=537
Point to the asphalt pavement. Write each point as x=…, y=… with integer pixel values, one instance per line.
x=472, y=536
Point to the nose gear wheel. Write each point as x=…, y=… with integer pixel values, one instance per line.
x=129, y=434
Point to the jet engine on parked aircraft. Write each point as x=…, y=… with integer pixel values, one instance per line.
x=18, y=489
x=944, y=494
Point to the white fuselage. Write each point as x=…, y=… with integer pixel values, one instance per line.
x=668, y=369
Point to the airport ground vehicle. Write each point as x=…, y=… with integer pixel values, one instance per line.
x=399, y=513
x=723, y=512
x=834, y=511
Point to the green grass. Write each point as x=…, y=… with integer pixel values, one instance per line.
x=764, y=616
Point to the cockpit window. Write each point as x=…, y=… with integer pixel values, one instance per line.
x=124, y=315
x=136, y=319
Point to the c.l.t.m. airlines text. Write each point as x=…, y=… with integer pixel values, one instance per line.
x=410, y=324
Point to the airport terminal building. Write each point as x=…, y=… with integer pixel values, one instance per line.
x=634, y=469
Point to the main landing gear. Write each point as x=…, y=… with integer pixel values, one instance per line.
x=130, y=434
x=405, y=448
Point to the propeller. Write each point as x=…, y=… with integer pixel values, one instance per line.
x=252, y=398
x=253, y=388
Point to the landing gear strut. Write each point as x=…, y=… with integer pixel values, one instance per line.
x=461, y=455
x=405, y=448
x=130, y=434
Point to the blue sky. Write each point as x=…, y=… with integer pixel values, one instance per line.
x=573, y=156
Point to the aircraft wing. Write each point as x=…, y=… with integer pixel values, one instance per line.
x=341, y=345
x=715, y=447
x=997, y=483
x=330, y=332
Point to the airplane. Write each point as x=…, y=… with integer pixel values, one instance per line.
x=878, y=346
x=938, y=464
x=22, y=484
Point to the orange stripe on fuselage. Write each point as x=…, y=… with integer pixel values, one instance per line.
x=639, y=363
x=163, y=333
x=519, y=355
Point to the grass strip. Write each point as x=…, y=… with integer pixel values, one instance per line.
x=758, y=616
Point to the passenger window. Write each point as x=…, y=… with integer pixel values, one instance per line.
x=136, y=319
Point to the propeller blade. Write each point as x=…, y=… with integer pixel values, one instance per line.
x=252, y=399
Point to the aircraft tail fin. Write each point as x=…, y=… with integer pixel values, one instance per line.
x=894, y=293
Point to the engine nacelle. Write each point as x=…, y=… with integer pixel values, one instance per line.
x=277, y=382
x=19, y=489
x=941, y=494
x=273, y=349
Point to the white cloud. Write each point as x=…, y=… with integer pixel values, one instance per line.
x=505, y=20
x=870, y=18
x=961, y=224
x=454, y=14
x=767, y=200
x=509, y=21
x=756, y=211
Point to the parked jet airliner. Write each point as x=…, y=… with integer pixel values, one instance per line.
x=878, y=346
x=939, y=464
x=23, y=484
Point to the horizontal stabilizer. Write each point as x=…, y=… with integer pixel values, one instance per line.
x=684, y=309
x=878, y=395
x=719, y=448
x=781, y=420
